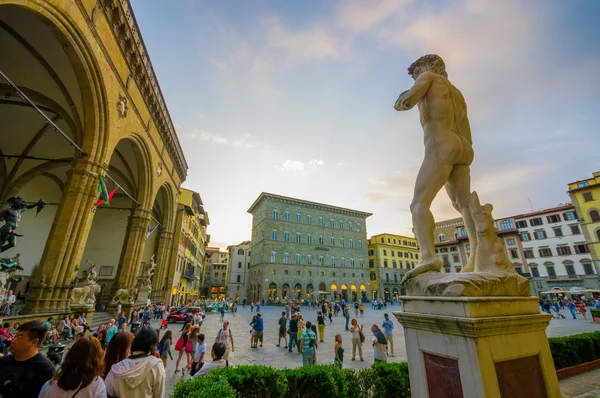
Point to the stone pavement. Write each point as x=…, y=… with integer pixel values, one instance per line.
x=585, y=385
x=280, y=358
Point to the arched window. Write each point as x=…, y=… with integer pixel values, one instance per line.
x=286, y=216
x=275, y=214
x=298, y=258
x=321, y=221
x=309, y=239
x=594, y=215
x=350, y=225
x=298, y=218
x=321, y=260
x=358, y=227
x=298, y=237
x=273, y=257
x=321, y=240
x=333, y=260
x=241, y=252
x=274, y=234
x=361, y=262
x=309, y=219
x=309, y=259
x=351, y=243
x=463, y=230
x=331, y=223
x=341, y=242
x=352, y=262
x=343, y=261
x=360, y=245
x=441, y=237
x=286, y=236
x=341, y=224
x=332, y=241
x=286, y=258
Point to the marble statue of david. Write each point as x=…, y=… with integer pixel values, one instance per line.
x=448, y=155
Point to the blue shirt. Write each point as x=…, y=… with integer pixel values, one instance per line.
x=258, y=325
x=388, y=325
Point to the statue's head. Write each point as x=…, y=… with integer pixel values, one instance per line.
x=430, y=62
x=17, y=202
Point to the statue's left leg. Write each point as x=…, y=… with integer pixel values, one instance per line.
x=458, y=188
x=12, y=242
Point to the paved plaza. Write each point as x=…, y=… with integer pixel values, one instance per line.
x=280, y=358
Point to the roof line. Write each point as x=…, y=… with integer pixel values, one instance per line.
x=264, y=195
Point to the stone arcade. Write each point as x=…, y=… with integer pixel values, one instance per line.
x=84, y=64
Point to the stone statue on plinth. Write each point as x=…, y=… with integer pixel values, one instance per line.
x=85, y=291
x=448, y=156
x=11, y=216
x=146, y=278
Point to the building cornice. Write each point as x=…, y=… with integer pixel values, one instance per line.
x=315, y=205
x=121, y=18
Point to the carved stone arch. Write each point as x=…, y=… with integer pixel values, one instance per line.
x=87, y=70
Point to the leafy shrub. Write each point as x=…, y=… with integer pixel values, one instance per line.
x=319, y=381
x=253, y=381
x=314, y=381
x=203, y=387
x=391, y=380
x=574, y=350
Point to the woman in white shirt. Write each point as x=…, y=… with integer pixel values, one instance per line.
x=80, y=373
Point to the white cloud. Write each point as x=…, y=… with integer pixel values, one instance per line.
x=294, y=166
x=362, y=15
x=314, y=163
x=315, y=43
x=239, y=142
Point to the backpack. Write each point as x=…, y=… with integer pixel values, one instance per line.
x=362, y=335
x=160, y=349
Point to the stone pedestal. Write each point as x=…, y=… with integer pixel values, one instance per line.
x=144, y=295
x=477, y=347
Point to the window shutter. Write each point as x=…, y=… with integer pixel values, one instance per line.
x=586, y=248
x=545, y=236
x=540, y=252
x=548, y=218
x=576, y=249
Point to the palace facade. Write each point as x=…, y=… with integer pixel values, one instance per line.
x=300, y=248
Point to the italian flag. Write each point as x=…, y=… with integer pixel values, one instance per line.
x=106, y=196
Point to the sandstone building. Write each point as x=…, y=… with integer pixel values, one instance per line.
x=216, y=274
x=239, y=263
x=187, y=257
x=84, y=64
x=301, y=247
x=390, y=257
x=585, y=196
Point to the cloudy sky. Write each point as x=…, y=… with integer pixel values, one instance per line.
x=296, y=98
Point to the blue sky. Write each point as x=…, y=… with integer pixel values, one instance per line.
x=296, y=98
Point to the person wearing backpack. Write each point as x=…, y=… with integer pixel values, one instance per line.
x=357, y=339
x=225, y=336
x=308, y=343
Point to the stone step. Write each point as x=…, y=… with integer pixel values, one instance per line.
x=100, y=318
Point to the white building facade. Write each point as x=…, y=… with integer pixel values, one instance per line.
x=239, y=262
x=555, y=249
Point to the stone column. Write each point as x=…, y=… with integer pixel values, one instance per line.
x=159, y=281
x=480, y=347
x=131, y=256
x=66, y=241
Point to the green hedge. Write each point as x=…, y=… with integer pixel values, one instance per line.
x=574, y=350
x=381, y=380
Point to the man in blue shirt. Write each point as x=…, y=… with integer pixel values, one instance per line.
x=388, y=327
x=258, y=328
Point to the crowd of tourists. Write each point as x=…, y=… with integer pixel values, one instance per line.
x=574, y=306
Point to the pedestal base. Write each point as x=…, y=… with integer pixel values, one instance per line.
x=144, y=295
x=480, y=347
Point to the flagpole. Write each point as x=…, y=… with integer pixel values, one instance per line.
x=131, y=197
